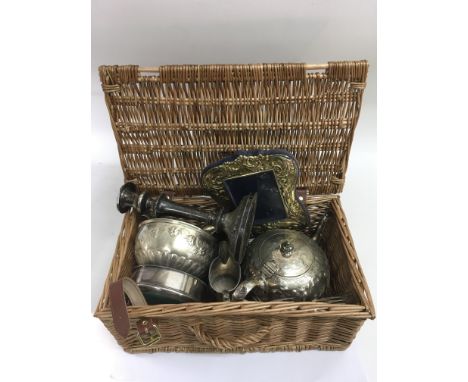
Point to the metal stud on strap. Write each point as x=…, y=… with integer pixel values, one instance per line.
x=148, y=331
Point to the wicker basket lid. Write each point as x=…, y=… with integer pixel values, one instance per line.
x=170, y=126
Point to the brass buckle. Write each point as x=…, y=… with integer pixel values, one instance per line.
x=148, y=332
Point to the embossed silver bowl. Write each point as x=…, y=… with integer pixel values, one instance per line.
x=175, y=244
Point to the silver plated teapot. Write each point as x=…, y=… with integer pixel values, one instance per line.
x=283, y=264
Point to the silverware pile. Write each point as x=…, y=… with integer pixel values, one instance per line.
x=177, y=261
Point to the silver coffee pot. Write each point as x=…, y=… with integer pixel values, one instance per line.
x=284, y=264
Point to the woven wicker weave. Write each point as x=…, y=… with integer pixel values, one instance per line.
x=170, y=126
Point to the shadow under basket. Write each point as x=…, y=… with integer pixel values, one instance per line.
x=254, y=326
x=170, y=125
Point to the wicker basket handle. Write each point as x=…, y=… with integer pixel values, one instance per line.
x=225, y=343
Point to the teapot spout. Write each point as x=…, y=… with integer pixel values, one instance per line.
x=244, y=288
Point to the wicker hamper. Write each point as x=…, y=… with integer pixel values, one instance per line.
x=171, y=121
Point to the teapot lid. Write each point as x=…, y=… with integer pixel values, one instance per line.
x=283, y=252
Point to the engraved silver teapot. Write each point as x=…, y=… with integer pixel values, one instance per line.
x=284, y=264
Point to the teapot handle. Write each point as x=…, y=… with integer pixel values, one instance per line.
x=244, y=288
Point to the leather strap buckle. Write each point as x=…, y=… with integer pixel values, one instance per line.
x=117, y=292
x=148, y=331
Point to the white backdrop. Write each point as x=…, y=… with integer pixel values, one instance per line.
x=208, y=31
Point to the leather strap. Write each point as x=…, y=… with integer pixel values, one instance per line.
x=117, y=292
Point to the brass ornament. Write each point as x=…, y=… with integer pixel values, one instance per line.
x=286, y=173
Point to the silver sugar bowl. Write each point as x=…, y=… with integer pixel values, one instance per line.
x=283, y=264
x=175, y=244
